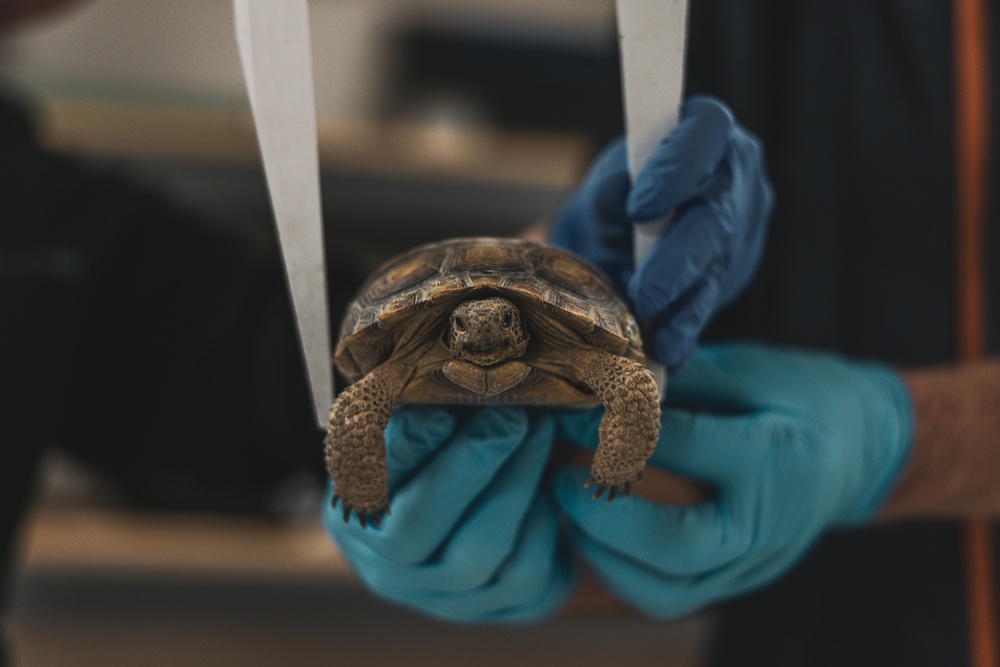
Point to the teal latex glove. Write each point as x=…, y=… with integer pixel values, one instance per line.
x=794, y=444
x=471, y=538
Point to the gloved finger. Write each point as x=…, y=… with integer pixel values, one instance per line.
x=523, y=584
x=476, y=548
x=426, y=509
x=724, y=450
x=682, y=166
x=413, y=434
x=678, y=428
x=750, y=198
x=578, y=427
x=679, y=259
x=717, y=448
x=593, y=223
x=713, y=448
x=674, y=539
x=555, y=595
x=673, y=343
x=597, y=206
x=663, y=595
x=738, y=376
x=608, y=181
x=706, y=384
x=657, y=594
x=568, y=230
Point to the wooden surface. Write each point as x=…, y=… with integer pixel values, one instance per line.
x=108, y=539
x=109, y=588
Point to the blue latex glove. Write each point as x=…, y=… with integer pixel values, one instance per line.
x=800, y=443
x=710, y=172
x=471, y=536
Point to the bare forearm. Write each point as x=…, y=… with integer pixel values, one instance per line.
x=954, y=470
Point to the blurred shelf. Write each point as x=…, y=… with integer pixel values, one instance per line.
x=101, y=540
x=440, y=151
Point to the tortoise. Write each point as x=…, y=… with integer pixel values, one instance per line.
x=487, y=321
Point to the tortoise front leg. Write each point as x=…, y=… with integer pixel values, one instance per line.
x=631, y=422
x=355, y=442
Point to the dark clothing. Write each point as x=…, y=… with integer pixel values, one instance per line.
x=855, y=103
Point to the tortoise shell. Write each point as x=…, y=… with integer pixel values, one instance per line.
x=426, y=283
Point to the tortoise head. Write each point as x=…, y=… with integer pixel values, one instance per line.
x=486, y=331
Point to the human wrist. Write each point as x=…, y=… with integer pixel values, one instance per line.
x=954, y=470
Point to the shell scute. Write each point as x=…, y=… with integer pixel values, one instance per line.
x=409, y=271
x=491, y=258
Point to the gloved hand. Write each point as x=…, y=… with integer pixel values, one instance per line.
x=710, y=172
x=793, y=443
x=471, y=536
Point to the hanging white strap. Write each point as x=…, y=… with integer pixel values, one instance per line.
x=273, y=40
x=652, y=39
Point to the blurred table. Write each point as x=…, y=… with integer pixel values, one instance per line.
x=111, y=588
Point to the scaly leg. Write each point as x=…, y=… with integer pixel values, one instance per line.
x=631, y=422
x=355, y=442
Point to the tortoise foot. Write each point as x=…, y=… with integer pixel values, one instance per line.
x=355, y=444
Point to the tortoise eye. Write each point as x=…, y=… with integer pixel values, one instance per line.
x=507, y=319
x=459, y=323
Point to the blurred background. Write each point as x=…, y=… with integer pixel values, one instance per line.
x=436, y=118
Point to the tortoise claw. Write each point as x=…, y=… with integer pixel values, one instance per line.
x=374, y=518
x=588, y=483
x=364, y=518
x=336, y=499
x=623, y=490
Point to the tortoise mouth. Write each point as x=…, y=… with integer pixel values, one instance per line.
x=489, y=356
